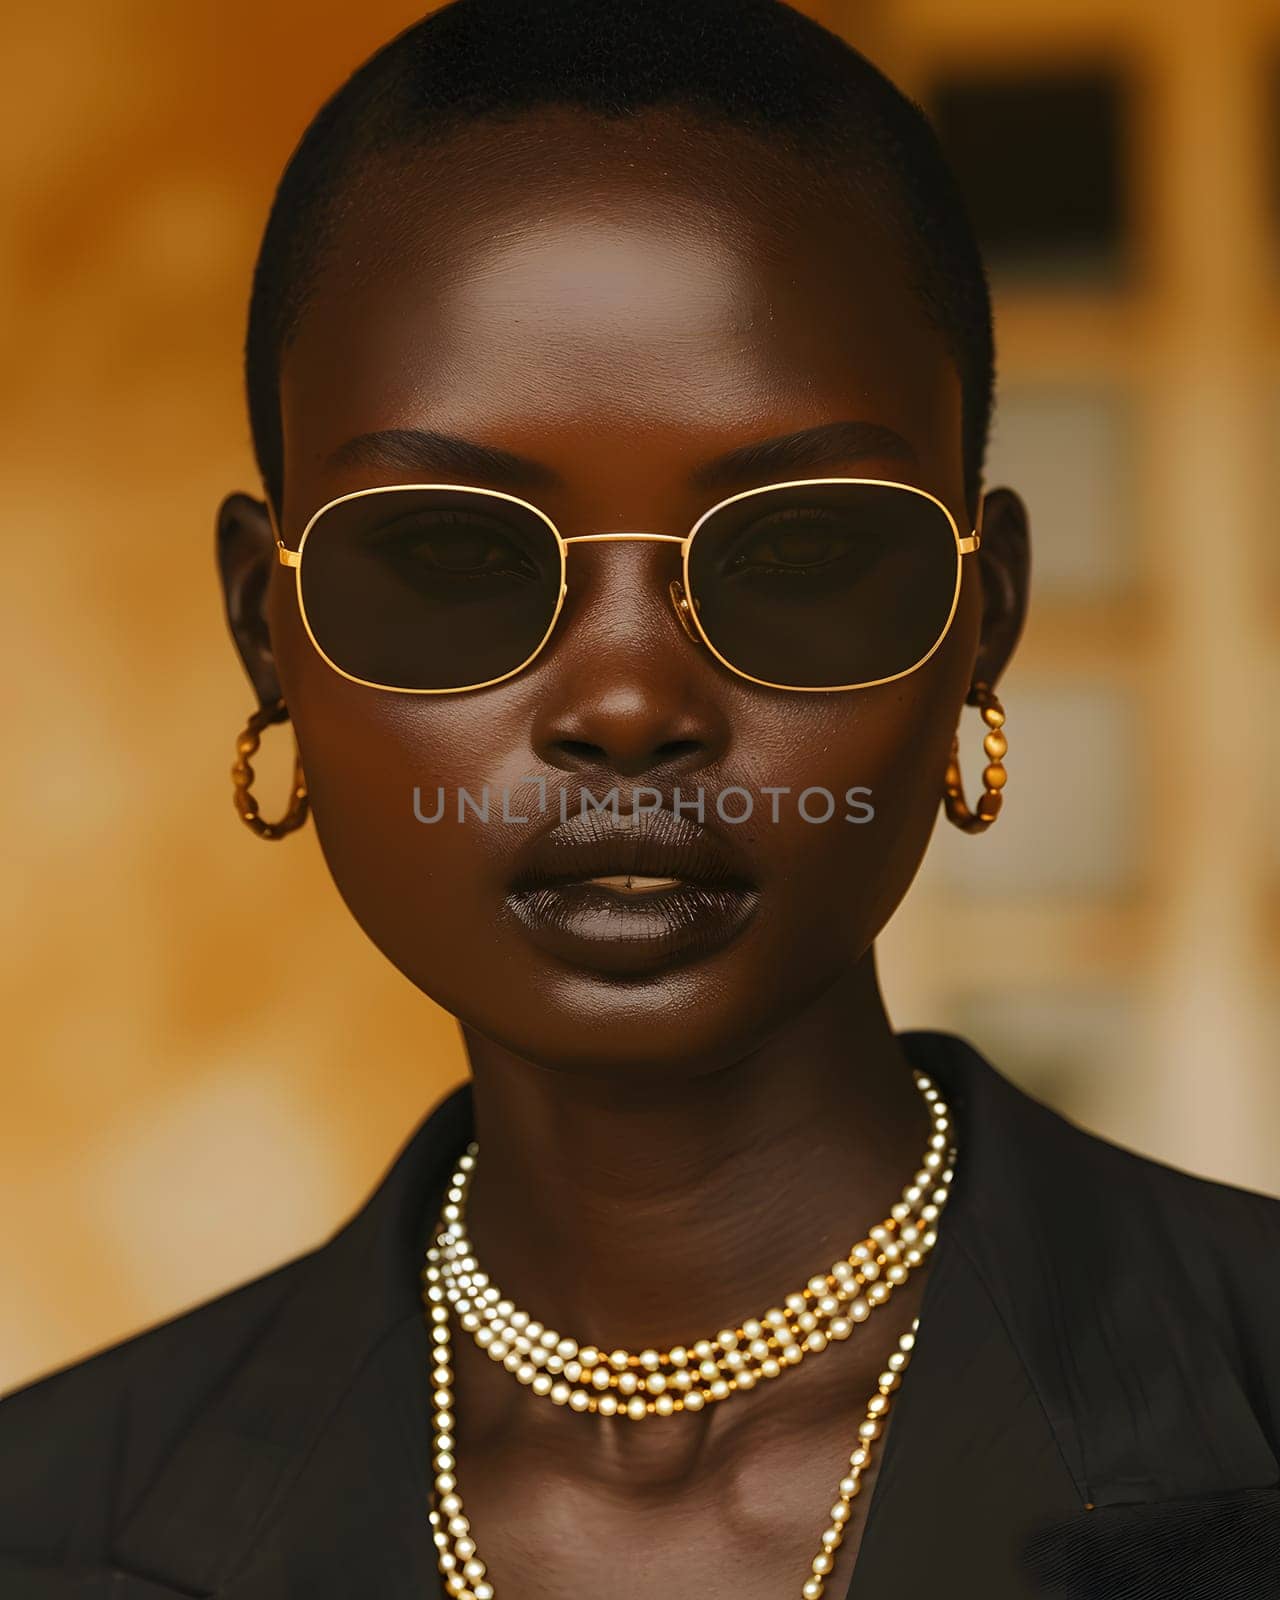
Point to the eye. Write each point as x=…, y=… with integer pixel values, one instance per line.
x=454, y=545
x=800, y=542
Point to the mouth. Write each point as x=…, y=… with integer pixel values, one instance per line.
x=630, y=894
x=635, y=883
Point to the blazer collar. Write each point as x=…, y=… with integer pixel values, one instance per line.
x=1141, y=1396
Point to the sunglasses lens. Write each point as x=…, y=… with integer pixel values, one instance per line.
x=816, y=586
x=429, y=588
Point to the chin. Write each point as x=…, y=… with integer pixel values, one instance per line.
x=682, y=1021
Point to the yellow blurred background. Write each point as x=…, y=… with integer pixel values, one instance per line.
x=207, y=1066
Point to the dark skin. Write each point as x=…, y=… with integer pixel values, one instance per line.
x=667, y=1151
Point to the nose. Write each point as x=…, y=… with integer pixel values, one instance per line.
x=627, y=686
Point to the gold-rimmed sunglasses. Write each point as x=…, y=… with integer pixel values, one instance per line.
x=814, y=585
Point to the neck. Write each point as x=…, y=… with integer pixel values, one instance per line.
x=654, y=1218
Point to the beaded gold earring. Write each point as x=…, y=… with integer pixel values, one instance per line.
x=242, y=778
x=994, y=776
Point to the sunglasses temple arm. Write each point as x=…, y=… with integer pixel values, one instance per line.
x=974, y=540
x=285, y=556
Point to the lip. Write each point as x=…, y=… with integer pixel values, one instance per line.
x=693, y=896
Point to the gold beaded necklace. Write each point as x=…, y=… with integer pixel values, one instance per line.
x=660, y=1383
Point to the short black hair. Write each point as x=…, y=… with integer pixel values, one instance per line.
x=757, y=65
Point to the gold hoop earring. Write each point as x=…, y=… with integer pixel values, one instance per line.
x=242, y=778
x=994, y=776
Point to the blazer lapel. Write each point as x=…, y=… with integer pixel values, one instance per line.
x=969, y=1456
x=343, y=1365
x=356, y=1521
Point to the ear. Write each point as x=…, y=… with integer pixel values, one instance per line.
x=246, y=555
x=1004, y=560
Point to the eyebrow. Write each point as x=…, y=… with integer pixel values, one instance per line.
x=822, y=446
x=427, y=451
x=423, y=450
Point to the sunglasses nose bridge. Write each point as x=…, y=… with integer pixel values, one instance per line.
x=674, y=588
x=680, y=600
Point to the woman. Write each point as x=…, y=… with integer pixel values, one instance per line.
x=620, y=377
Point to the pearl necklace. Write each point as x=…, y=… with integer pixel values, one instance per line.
x=687, y=1378
x=457, y=1556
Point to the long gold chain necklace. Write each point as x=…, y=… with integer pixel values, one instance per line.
x=660, y=1383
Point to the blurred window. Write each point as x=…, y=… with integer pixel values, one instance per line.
x=1039, y=156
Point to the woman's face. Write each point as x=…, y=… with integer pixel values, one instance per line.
x=622, y=304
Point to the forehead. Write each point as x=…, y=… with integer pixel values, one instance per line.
x=653, y=287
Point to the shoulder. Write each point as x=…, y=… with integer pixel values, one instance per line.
x=1016, y=1135
x=1220, y=1244
x=1201, y=1220
x=91, y=1435
x=1195, y=1246
x=1043, y=1190
x=236, y=1387
x=1243, y=1224
x=1143, y=1301
x=1177, y=1284
x=1226, y=1241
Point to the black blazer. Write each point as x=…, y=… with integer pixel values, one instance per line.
x=1097, y=1331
